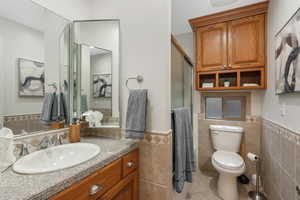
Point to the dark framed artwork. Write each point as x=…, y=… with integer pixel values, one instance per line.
x=102, y=85
x=31, y=78
x=287, y=56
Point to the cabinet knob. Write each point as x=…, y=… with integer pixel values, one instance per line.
x=95, y=189
x=130, y=164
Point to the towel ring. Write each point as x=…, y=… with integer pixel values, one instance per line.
x=138, y=78
x=54, y=86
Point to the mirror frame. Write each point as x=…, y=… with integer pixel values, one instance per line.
x=78, y=76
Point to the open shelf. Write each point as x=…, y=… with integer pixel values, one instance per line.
x=207, y=79
x=252, y=78
x=255, y=78
x=230, y=77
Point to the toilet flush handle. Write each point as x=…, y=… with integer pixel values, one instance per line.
x=215, y=133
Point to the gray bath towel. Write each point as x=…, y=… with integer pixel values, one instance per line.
x=183, y=151
x=63, y=109
x=47, y=107
x=84, y=103
x=136, y=114
x=50, y=108
x=54, y=110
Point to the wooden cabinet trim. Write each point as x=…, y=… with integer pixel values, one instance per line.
x=237, y=13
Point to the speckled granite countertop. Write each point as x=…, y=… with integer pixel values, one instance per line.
x=40, y=187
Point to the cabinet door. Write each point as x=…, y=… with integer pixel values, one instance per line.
x=212, y=47
x=127, y=189
x=246, y=42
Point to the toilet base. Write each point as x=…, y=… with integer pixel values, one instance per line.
x=257, y=195
x=227, y=187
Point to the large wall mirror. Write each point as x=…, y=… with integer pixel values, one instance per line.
x=96, y=93
x=34, y=61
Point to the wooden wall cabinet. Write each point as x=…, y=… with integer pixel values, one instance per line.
x=229, y=42
x=117, y=181
x=212, y=47
x=246, y=42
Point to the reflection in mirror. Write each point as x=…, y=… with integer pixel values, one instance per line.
x=97, y=50
x=34, y=62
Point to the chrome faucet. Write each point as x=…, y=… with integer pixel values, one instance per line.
x=57, y=140
x=24, y=150
x=51, y=141
x=45, y=143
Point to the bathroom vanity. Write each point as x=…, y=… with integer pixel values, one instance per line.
x=112, y=174
x=116, y=181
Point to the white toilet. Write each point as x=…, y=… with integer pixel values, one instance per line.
x=226, y=160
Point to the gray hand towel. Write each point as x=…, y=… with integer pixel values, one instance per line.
x=183, y=151
x=47, y=107
x=136, y=114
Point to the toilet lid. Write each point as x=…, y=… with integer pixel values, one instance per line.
x=228, y=160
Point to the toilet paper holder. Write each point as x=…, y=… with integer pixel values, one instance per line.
x=256, y=195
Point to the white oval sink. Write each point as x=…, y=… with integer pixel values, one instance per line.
x=56, y=158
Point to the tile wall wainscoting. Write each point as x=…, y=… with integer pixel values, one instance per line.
x=280, y=151
x=115, y=133
x=250, y=141
x=155, y=161
x=156, y=166
x=27, y=122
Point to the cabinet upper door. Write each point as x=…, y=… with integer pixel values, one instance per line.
x=246, y=42
x=212, y=47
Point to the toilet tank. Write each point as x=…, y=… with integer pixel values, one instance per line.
x=226, y=138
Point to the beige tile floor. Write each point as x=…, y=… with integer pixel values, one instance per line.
x=204, y=187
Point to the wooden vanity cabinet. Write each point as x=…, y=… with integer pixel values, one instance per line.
x=116, y=181
x=231, y=41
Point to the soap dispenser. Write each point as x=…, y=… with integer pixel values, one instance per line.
x=74, y=135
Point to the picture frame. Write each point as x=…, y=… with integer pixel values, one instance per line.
x=31, y=78
x=287, y=56
x=102, y=85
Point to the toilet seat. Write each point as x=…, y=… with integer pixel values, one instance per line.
x=228, y=160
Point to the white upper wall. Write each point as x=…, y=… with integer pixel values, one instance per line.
x=70, y=9
x=145, y=47
x=1, y=78
x=18, y=41
x=182, y=11
x=279, y=13
x=186, y=41
x=145, y=50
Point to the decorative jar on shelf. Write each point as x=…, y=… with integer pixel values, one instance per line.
x=226, y=83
